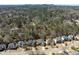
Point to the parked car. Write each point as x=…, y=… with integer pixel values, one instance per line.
x=20, y=43
x=50, y=42
x=40, y=42
x=76, y=37
x=70, y=37
x=31, y=42
x=65, y=37
x=12, y=46
x=60, y=40
x=2, y=47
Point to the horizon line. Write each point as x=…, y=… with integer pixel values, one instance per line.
x=45, y=4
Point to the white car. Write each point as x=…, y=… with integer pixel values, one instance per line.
x=76, y=37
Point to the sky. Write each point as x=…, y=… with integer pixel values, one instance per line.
x=57, y=2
